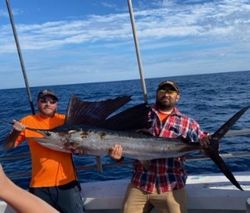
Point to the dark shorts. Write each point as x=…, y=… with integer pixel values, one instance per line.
x=66, y=198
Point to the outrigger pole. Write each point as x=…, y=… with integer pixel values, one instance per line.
x=20, y=57
x=131, y=13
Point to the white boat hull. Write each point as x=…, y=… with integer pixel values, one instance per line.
x=209, y=193
x=206, y=193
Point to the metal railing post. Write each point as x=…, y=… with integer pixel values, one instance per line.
x=138, y=56
x=20, y=57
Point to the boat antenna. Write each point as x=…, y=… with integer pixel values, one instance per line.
x=138, y=56
x=20, y=57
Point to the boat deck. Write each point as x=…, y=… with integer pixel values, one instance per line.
x=206, y=193
x=211, y=193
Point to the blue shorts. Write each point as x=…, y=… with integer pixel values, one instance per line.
x=65, y=198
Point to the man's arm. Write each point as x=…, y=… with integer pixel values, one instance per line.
x=18, y=127
x=19, y=199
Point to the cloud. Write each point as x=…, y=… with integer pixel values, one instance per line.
x=225, y=18
x=210, y=32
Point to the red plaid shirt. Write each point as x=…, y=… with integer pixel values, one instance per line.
x=166, y=174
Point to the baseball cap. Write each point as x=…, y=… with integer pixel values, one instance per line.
x=169, y=83
x=47, y=92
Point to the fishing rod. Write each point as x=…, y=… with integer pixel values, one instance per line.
x=20, y=57
x=138, y=56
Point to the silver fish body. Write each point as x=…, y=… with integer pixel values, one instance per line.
x=99, y=142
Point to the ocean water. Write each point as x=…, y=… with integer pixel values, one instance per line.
x=211, y=99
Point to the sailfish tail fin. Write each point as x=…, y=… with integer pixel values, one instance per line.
x=212, y=150
x=223, y=167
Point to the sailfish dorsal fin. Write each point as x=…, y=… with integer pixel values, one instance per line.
x=133, y=118
x=91, y=112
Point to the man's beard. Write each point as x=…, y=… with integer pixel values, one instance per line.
x=163, y=106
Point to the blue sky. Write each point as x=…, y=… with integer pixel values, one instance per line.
x=66, y=42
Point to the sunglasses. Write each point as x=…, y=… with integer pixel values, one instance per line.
x=166, y=91
x=45, y=100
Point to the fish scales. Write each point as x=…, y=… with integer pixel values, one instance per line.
x=151, y=147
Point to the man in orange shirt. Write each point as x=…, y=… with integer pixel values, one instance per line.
x=53, y=173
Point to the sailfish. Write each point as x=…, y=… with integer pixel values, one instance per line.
x=95, y=127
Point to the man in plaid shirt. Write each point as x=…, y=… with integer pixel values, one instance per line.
x=162, y=183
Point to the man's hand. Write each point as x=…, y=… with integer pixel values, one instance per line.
x=205, y=141
x=18, y=126
x=116, y=152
